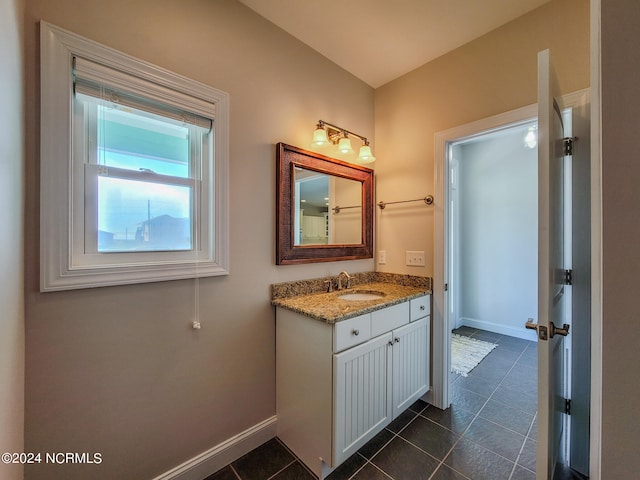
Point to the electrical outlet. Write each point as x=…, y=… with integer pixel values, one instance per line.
x=382, y=257
x=415, y=258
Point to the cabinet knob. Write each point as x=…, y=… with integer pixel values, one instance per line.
x=397, y=340
x=355, y=332
x=390, y=343
x=422, y=307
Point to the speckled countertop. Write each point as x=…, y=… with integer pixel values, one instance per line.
x=310, y=297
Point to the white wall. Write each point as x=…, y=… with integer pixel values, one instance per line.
x=498, y=233
x=11, y=235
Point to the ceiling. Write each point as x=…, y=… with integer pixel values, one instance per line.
x=380, y=40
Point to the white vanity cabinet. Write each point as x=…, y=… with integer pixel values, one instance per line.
x=337, y=385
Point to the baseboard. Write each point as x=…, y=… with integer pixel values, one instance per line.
x=498, y=328
x=206, y=463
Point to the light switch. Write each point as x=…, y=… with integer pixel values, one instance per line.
x=415, y=258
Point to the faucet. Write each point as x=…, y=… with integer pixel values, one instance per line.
x=347, y=276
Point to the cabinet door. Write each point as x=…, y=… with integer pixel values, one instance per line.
x=410, y=364
x=362, y=395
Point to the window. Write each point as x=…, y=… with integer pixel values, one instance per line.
x=133, y=169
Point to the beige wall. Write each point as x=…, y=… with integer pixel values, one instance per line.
x=493, y=74
x=621, y=231
x=11, y=236
x=118, y=370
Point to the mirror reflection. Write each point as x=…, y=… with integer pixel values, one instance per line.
x=327, y=209
x=341, y=230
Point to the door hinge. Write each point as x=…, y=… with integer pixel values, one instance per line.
x=567, y=406
x=567, y=277
x=568, y=145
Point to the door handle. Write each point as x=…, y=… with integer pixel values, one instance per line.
x=542, y=330
x=564, y=331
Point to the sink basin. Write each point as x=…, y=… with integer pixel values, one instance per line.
x=362, y=295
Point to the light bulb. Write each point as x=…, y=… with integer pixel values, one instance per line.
x=319, y=138
x=365, y=155
x=531, y=138
x=344, y=146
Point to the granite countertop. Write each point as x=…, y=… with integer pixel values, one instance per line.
x=328, y=307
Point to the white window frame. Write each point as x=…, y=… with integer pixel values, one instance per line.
x=64, y=264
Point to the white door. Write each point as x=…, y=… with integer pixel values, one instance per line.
x=551, y=290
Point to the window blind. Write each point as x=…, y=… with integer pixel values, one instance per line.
x=108, y=84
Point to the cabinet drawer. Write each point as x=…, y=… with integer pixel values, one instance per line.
x=353, y=331
x=387, y=319
x=420, y=307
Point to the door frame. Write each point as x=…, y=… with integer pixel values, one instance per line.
x=441, y=321
x=595, y=72
x=455, y=224
x=439, y=395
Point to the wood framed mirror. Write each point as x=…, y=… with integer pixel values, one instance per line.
x=324, y=208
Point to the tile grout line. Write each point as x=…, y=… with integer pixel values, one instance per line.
x=283, y=468
x=380, y=470
x=295, y=460
x=507, y=428
x=234, y=472
x=528, y=430
x=368, y=460
x=522, y=448
x=478, y=414
x=464, y=431
x=394, y=435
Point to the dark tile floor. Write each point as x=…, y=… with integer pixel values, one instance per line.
x=489, y=432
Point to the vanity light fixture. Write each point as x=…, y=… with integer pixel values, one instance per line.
x=328, y=134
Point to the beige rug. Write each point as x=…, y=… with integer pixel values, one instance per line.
x=467, y=352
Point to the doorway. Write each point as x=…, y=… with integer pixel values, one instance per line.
x=493, y=230
x=446, y=298
x=493, y=276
